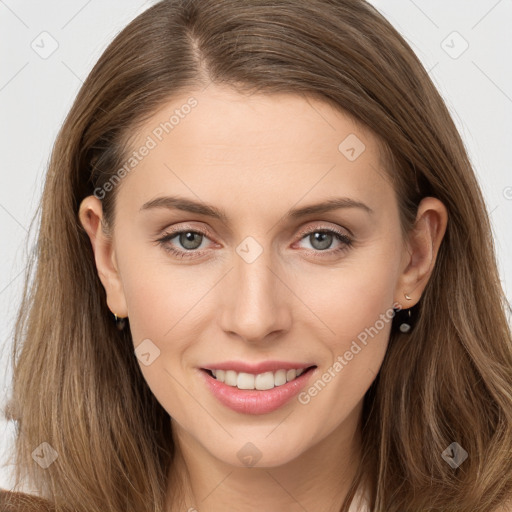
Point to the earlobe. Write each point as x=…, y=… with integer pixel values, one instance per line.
x=421, y=250
x=91, y=218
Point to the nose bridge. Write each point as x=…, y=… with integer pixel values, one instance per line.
x=254, y=304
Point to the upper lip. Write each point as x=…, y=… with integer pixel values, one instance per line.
x=256, y=368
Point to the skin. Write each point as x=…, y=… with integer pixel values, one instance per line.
x=256, y=157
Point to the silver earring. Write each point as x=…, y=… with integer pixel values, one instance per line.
x=406, y=324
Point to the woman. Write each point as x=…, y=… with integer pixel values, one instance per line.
x=266, y=278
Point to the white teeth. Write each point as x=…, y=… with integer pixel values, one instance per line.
x=245, y=381
x=280, y=377
x=291, y=374
x=230, y=378
x=264, y=381
x=261, y=382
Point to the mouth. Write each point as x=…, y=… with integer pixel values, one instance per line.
x=260, y=389
x=257, y=381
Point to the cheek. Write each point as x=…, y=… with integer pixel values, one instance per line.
x=353, y=297
x=165, y=308
x=162, y=320
x=158, y=294
x=355, y=307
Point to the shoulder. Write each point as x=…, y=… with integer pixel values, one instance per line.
x=21, y=502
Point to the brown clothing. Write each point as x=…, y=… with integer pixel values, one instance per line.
x=21, y=502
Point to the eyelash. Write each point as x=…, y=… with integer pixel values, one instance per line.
x=346, y=241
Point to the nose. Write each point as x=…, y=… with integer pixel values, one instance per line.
x=256, y=300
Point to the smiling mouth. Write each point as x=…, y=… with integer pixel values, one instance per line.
x=261, y=381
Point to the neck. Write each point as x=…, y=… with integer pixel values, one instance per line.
x=318, y=479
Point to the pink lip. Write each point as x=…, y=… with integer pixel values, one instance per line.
x=252, y=401
x=255, y=368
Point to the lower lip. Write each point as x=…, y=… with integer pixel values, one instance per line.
x=252, y=401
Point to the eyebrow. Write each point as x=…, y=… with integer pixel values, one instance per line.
x=188, y=205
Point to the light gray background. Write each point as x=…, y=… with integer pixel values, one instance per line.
x=36, y=92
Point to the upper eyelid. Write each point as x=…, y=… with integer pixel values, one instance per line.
x=313, y=229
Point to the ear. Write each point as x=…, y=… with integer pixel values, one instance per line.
x=420, y=251
x=91, y=218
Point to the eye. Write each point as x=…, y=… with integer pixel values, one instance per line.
x=190, y=240
x=321, y=240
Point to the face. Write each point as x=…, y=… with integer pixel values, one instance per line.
x=222, y=261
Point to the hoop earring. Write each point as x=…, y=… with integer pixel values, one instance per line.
x=120, y=322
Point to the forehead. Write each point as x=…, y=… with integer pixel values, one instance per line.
x=219, y=115
x=280, y=143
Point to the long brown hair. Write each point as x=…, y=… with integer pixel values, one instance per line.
x=77, y=384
